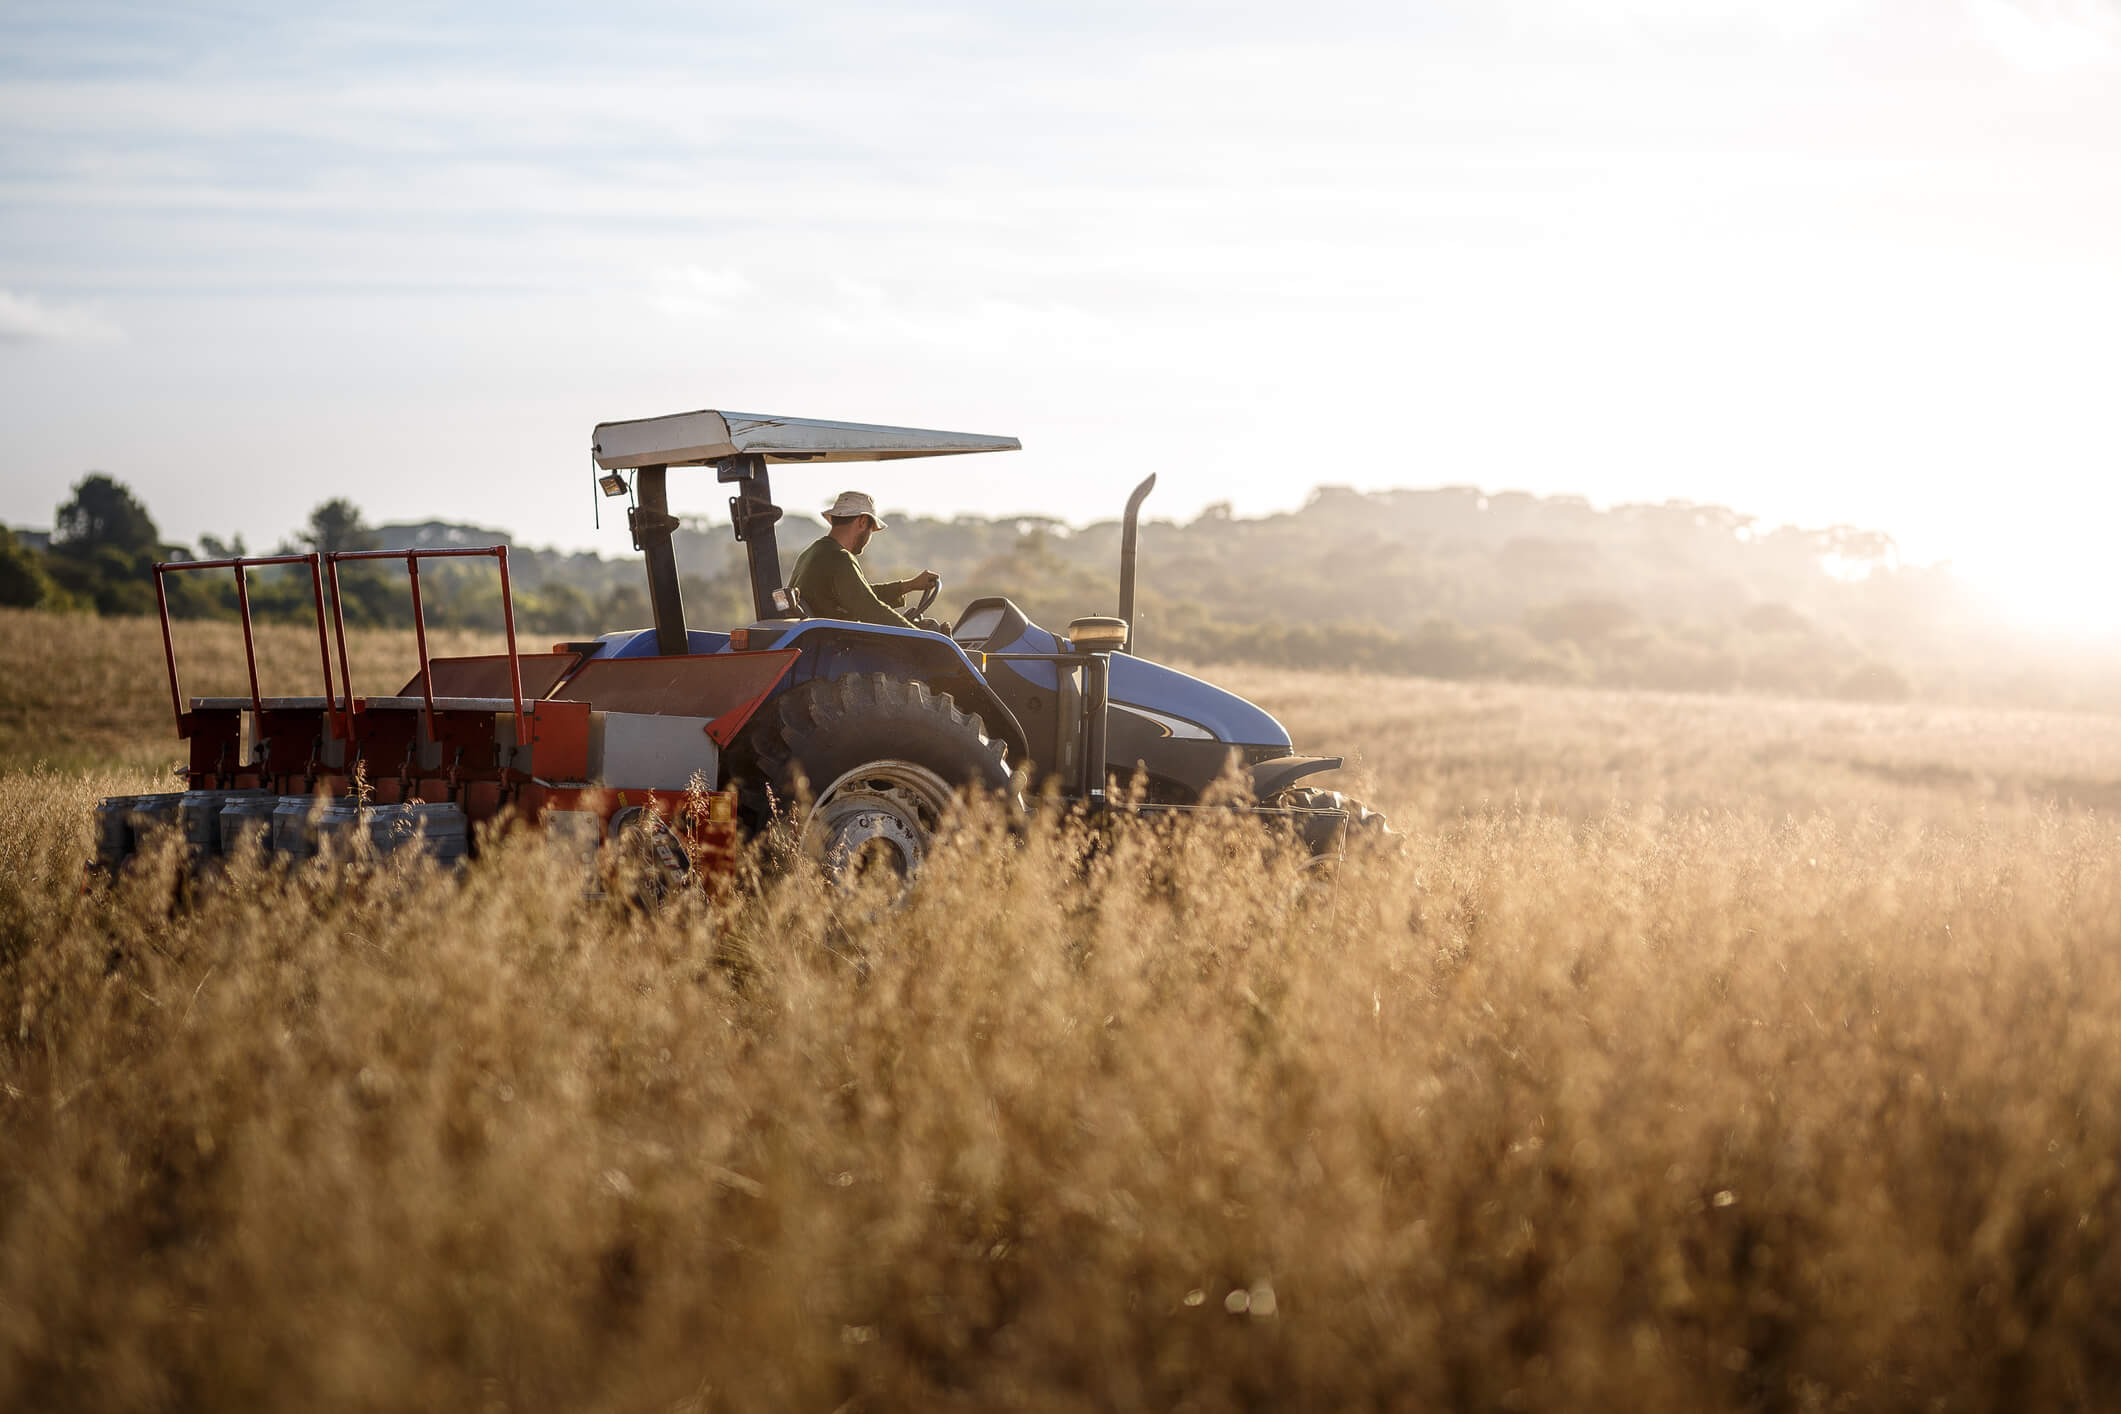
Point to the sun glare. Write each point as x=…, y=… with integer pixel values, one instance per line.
x=2068, y=591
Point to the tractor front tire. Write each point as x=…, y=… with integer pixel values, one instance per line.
x=882, y=758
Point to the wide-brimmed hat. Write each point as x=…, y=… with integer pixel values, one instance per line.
x=854, y=503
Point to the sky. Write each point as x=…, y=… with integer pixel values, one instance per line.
x=1825, y=262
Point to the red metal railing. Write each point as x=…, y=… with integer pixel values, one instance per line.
x=412, y=560
x=321, y=567
x=242, y=565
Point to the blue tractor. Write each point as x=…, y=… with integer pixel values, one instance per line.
x=878, y=727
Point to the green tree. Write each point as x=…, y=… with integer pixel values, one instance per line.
x=103, y=513
x=557, y=608
x=337, y=525
x=23, y=581
x=625, y=606
x=369, y=596
x=103, y=545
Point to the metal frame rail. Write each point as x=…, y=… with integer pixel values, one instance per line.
x=242, y=565
x=322, y=568
x=412, y=560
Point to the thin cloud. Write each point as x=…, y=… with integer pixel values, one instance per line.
x=693, y=291
x=27, y=320
x=2050, y=36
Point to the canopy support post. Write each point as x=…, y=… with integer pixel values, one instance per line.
x=652, y=522
x=752, y=515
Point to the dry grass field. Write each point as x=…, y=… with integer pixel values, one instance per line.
x=1694, y=1054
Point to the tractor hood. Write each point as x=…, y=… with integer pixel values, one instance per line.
x=1183, y=708
x=1150, y=702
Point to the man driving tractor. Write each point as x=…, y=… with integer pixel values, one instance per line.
x=829, y=579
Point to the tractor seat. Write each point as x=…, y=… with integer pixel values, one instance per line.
x=790, y=603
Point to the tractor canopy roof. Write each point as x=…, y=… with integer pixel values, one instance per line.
x=701, y=438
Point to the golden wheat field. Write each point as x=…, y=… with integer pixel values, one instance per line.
x=1693, y=1054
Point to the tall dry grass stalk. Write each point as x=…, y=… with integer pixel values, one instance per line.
x=1651, y=1108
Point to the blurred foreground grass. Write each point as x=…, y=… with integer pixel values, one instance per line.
x=1696, y=1054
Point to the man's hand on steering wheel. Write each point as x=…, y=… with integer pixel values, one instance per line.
x=930, y=584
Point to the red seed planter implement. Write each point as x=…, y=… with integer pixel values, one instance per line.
x=579, y=744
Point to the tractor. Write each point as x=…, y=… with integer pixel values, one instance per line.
x=859, y=734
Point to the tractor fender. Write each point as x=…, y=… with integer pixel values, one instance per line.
x=834, y=648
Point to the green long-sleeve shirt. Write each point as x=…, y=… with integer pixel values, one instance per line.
x=830, y=580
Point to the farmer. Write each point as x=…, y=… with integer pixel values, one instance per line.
x=830, y=579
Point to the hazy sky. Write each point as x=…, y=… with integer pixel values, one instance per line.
x=1820, y=261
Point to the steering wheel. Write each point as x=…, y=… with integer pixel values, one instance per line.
x=920, y=610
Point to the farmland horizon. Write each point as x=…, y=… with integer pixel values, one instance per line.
x=2086, y=626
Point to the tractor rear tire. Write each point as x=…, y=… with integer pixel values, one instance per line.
x=882, y=757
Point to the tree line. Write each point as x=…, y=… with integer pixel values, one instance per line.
x=1446, y=582
x=104, y=543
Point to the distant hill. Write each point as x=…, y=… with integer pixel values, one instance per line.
x=1451, y=581
x=437, y=535
x=1457, y=582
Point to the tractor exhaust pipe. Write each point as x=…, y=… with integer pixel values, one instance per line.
x=1129, y=533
